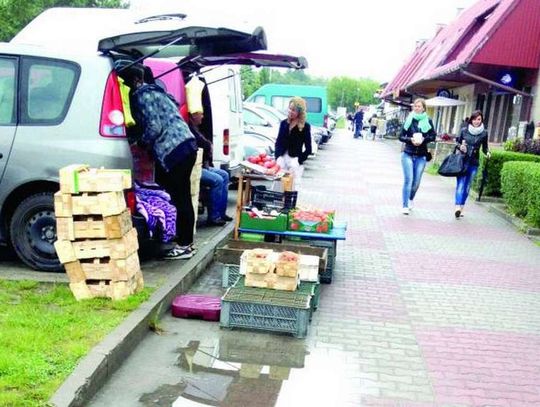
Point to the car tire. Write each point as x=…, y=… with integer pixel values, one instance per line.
x=33, y=232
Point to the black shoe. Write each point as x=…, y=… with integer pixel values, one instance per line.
x=226, y=218
x=217, y=222
x=457, y=214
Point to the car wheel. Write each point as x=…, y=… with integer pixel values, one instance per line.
x=33, y=232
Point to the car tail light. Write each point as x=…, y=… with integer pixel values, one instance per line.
x=326, y=121
x=112, y=122
x=226, y=142
x=131, y=201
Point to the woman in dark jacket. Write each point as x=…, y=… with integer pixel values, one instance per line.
x=471, y=138
x=417, y=132
x=293, y=143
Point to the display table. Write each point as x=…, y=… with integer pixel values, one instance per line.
x=337, y=233
x=244, y=191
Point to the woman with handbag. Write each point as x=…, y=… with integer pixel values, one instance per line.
x=417, y=132
x=469, y=141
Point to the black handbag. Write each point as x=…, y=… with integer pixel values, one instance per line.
x=453, y=165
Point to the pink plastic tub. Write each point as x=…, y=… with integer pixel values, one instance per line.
x=197, y=306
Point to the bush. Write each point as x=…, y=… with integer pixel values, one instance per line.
x=523, y=146
x=498, y=158
x=520, y=186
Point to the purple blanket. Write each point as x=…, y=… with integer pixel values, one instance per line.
x=154, y=205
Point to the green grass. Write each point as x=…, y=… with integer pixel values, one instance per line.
x=432, y=169
x=44, y=332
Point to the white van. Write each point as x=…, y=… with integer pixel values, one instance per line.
x=225, y=88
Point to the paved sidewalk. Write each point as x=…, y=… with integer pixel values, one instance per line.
x=423, y=310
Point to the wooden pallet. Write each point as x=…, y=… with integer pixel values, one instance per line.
x=116, y=290
x=89, y=249
x=93, y=226
x=104, y=203
x=79, y=178
x=103, y=269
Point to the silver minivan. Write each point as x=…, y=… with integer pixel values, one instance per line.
x=62, y=105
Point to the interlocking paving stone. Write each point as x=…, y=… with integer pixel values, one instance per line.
x=424, y=310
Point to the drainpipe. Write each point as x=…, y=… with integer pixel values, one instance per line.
x=535, y=111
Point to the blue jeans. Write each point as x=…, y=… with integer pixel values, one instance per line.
x=464, y=184
x=413, y=168
x=357, y=130
x=218, y=182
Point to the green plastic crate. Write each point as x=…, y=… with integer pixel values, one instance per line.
x=264, y=309
x=230, y=275
x=314, y=289
x=252, y=237
x=278, y=224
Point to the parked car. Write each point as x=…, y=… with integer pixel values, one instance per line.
x=256, y=143
x=61, y=105
x=265, y=119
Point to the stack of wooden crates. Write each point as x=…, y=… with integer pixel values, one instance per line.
x=97, y=243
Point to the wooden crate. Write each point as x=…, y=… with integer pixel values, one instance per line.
x=104, y=288
x=93, y=226
x=103, y=269
x=105, y=204
x=79, y=178
x=231, y=252
x=68, y=251
x=272, y=281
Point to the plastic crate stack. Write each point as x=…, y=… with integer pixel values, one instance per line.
x=196, y=183
x=253, y=302
x=97, y=243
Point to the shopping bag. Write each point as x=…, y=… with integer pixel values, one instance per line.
x=453, y=165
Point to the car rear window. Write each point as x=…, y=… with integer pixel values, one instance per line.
x=48, y=87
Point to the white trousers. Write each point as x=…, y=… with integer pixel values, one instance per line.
x=290, y=164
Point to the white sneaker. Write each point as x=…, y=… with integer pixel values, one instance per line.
x=411, y=205
x=405, y=211
x=177, y=253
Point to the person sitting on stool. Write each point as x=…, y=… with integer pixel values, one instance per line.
x=214, y=178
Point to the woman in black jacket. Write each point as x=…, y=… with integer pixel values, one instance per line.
x=417, y=132
x=293, y=143
x=471, y=138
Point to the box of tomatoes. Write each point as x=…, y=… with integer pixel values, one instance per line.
x=315, y=221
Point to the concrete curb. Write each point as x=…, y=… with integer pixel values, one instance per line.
x=518, y=223
x=104, y=359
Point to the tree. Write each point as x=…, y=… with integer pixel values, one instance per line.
x=250, y=81
x=346, y=92
x=15, y=14
x=342, y=91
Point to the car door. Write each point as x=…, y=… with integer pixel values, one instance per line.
x=8, y=108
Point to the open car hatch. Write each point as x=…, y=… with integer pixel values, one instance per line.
x=187, y=41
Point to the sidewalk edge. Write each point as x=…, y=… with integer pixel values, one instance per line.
x=93, y=371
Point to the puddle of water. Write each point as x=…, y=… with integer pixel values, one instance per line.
x=243, y=369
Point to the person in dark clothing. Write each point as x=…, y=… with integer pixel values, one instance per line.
x=167, y=136
x=214, y=178
x=471, y=138
x=417, y=132
x=293, y=143
x=358, y=122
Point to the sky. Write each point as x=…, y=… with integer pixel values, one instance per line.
x=360, y=39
